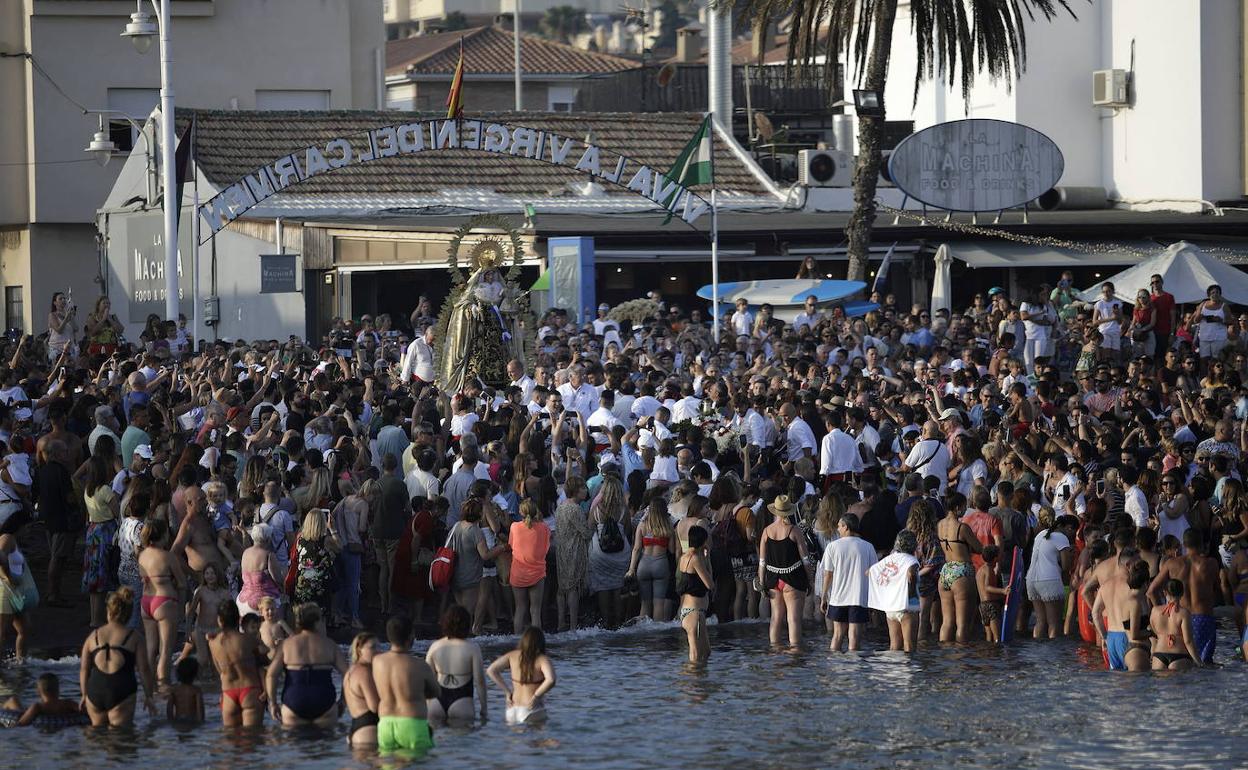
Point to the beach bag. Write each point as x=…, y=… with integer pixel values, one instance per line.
x=726, y=537
x=610, y=538
x=442, y=568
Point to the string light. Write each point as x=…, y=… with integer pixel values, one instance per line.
x=1104, y=247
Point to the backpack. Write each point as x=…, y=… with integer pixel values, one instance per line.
x=726, y=537
x=442, y=568
x=610, y=538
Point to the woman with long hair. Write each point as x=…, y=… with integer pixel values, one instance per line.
x=532, y=676
x=110, y=667
x=160, y=609
x=62, y=328
x=931, y=558
x=609, y=550
x=694, y=583
x=571, y=551
x=102, y=329
x=529, y=540
x=315, y=551
x=254, y=476
x=653, y=542
x=1052, y=556
x=103, y=508
x=957, y=576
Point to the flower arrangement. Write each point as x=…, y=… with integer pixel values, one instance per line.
x=635, y=311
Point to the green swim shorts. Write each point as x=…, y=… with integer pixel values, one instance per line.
x=403, y=734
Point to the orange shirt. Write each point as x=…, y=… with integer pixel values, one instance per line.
x=528, y=552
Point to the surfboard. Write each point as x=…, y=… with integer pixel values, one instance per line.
x=1014, y=600
x=778, y=292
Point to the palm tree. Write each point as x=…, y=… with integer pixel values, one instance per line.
x=966, y=38
x=563, y=21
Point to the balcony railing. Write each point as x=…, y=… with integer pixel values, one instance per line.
x=772, y=90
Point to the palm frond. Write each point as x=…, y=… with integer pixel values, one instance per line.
x=959, y=40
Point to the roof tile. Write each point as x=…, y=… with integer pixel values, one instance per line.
x=489, y=51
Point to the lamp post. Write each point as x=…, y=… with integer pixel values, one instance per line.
x=140, y=31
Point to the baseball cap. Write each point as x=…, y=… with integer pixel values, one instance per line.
x=144, y=451
x=995, y=290
x=951, y=414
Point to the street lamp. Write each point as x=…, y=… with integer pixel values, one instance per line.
x=101, y=146
x=140, y=31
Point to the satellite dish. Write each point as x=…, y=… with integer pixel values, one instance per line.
x=665, y=75
x=762, y=124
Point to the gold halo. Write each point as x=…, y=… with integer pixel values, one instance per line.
x=488, y=252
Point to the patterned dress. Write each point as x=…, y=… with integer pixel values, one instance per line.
x=573, y=532
x=314, y=579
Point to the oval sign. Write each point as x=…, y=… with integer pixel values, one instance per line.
x=976, y=165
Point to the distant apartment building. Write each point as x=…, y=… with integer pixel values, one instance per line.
x=62, y=55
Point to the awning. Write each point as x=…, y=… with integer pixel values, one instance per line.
x=542, y=283
x=1003, y=254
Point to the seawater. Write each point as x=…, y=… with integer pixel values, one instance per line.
x=629, y=699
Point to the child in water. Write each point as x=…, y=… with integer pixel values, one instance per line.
x=50, y=702
x=203, y=612
x=273, y=630
x=991, y=594
x=186, y=700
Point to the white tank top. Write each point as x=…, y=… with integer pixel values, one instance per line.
x=1212, y=332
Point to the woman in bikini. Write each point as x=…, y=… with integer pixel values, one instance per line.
x=237, y=657
x=360, y=692
x=307, y=660
x=160, y=609
x=693, y=583
x=783, y=571
x=1175, y=648
x=459, y=667
x=109, y=660
x=957, y=577
x=532, y=676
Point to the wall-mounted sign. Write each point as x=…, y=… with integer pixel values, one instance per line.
x=976, y=165
x=278, y=273
x=143, y=271
x=423, y=136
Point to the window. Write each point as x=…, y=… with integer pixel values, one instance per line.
x=137, y=103
x=14, y=308
x=560, y=98
x=292, y=99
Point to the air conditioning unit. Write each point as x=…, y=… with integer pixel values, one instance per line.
x=825, y=168
x=1109, y=88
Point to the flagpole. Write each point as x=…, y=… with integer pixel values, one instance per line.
x=194, y=245
x=714, y=238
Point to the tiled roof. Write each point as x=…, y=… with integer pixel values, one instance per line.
x=230, y=144
x=489, y=51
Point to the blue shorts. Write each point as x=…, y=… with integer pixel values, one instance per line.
x=849, y=613
x=1116, y=643
x=1205, y=634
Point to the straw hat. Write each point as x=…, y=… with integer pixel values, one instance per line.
x=782, y=507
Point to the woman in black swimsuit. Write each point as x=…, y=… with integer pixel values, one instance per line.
x=110, y=657
x=307, y=660
x=693, y=583
x=783, y=571
x=460, y=669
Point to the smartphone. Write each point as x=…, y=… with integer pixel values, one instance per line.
x=1066, y=490
x=1100, y=487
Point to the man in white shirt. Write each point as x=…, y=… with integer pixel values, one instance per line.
x=603, y=419
x=578, y=395
x=843, y=596
x=602, y=323
x=646, y=405
x=418, y=360
x=866, y=436
x=1038, y=319
x=838, y=452
x=515, y=370
x=1135, y=502
x=929, y=457
x=809, y=315
x=421, y=482
x=686, y=408
x=800, y=438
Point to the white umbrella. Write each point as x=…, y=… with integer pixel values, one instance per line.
x=942, y=290
x=1187, y=272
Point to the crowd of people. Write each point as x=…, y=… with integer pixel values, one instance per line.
x=236, y=504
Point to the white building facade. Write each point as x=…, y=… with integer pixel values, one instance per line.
x=1178, y=143
x=61, y=56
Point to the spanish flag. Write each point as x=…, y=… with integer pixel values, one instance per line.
x=455, y=99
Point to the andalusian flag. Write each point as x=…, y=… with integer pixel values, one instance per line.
x=693, y=165
x=455, y=99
